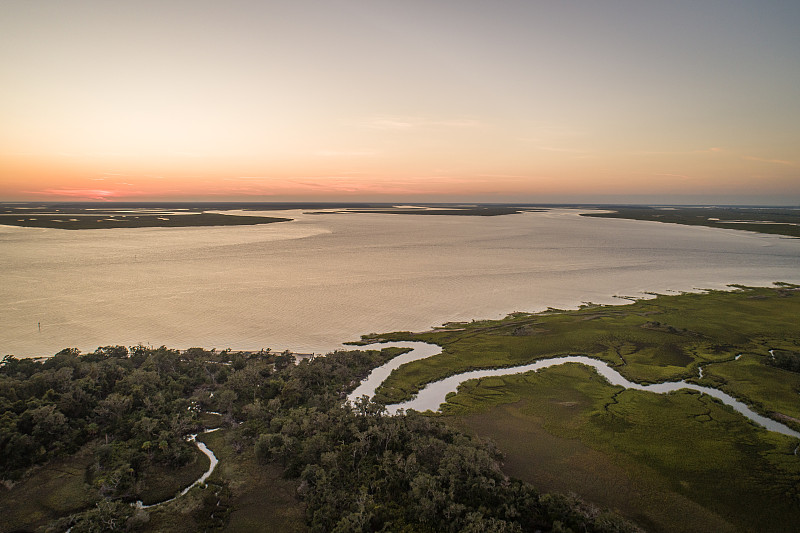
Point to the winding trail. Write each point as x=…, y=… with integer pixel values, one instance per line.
x=202, y=479
x=434, y=394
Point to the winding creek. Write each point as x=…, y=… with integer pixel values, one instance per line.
x=434, y=394
x=419, y=350
x=202, y=479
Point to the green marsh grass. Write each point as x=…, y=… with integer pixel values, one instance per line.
x=662, y=339
x=48, y=492
x=673, y=462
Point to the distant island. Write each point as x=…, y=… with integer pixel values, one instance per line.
x=482, y=210
x=83, y=215
x=772, y=220
x=82, y=221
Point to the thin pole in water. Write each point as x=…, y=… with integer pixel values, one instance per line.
x=40, y=326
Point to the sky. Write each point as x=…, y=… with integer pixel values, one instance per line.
x=417, y=100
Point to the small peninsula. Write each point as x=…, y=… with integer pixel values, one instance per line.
x=117, y=220
x=771, y=220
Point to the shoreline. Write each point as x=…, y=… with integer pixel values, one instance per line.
x=368, y=338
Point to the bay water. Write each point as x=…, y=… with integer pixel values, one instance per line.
x=323, y=279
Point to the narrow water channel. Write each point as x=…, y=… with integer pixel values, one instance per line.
x=419, y=350
x=202, y=479
x=433, y=395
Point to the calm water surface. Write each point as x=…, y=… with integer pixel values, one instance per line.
x=311, y=284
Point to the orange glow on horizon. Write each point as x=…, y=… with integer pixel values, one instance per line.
x=340, y=175
x=392, y=101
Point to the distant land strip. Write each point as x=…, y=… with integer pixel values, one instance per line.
x=108, y=221
x=72, y=215
x=771, y=220
x=474, y=210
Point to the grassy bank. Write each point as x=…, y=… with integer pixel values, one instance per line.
x=661, y=339
x=674, y=462
x=48, y=492
x=62, y=487
x=241, y=495
x=261, y=499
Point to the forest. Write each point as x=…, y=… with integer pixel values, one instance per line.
x=117, y=418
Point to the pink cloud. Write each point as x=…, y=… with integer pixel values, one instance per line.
x=773, y=161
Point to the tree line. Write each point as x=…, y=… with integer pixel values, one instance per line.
x=357, y=468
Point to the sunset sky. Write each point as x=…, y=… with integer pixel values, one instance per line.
x=417, y=100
